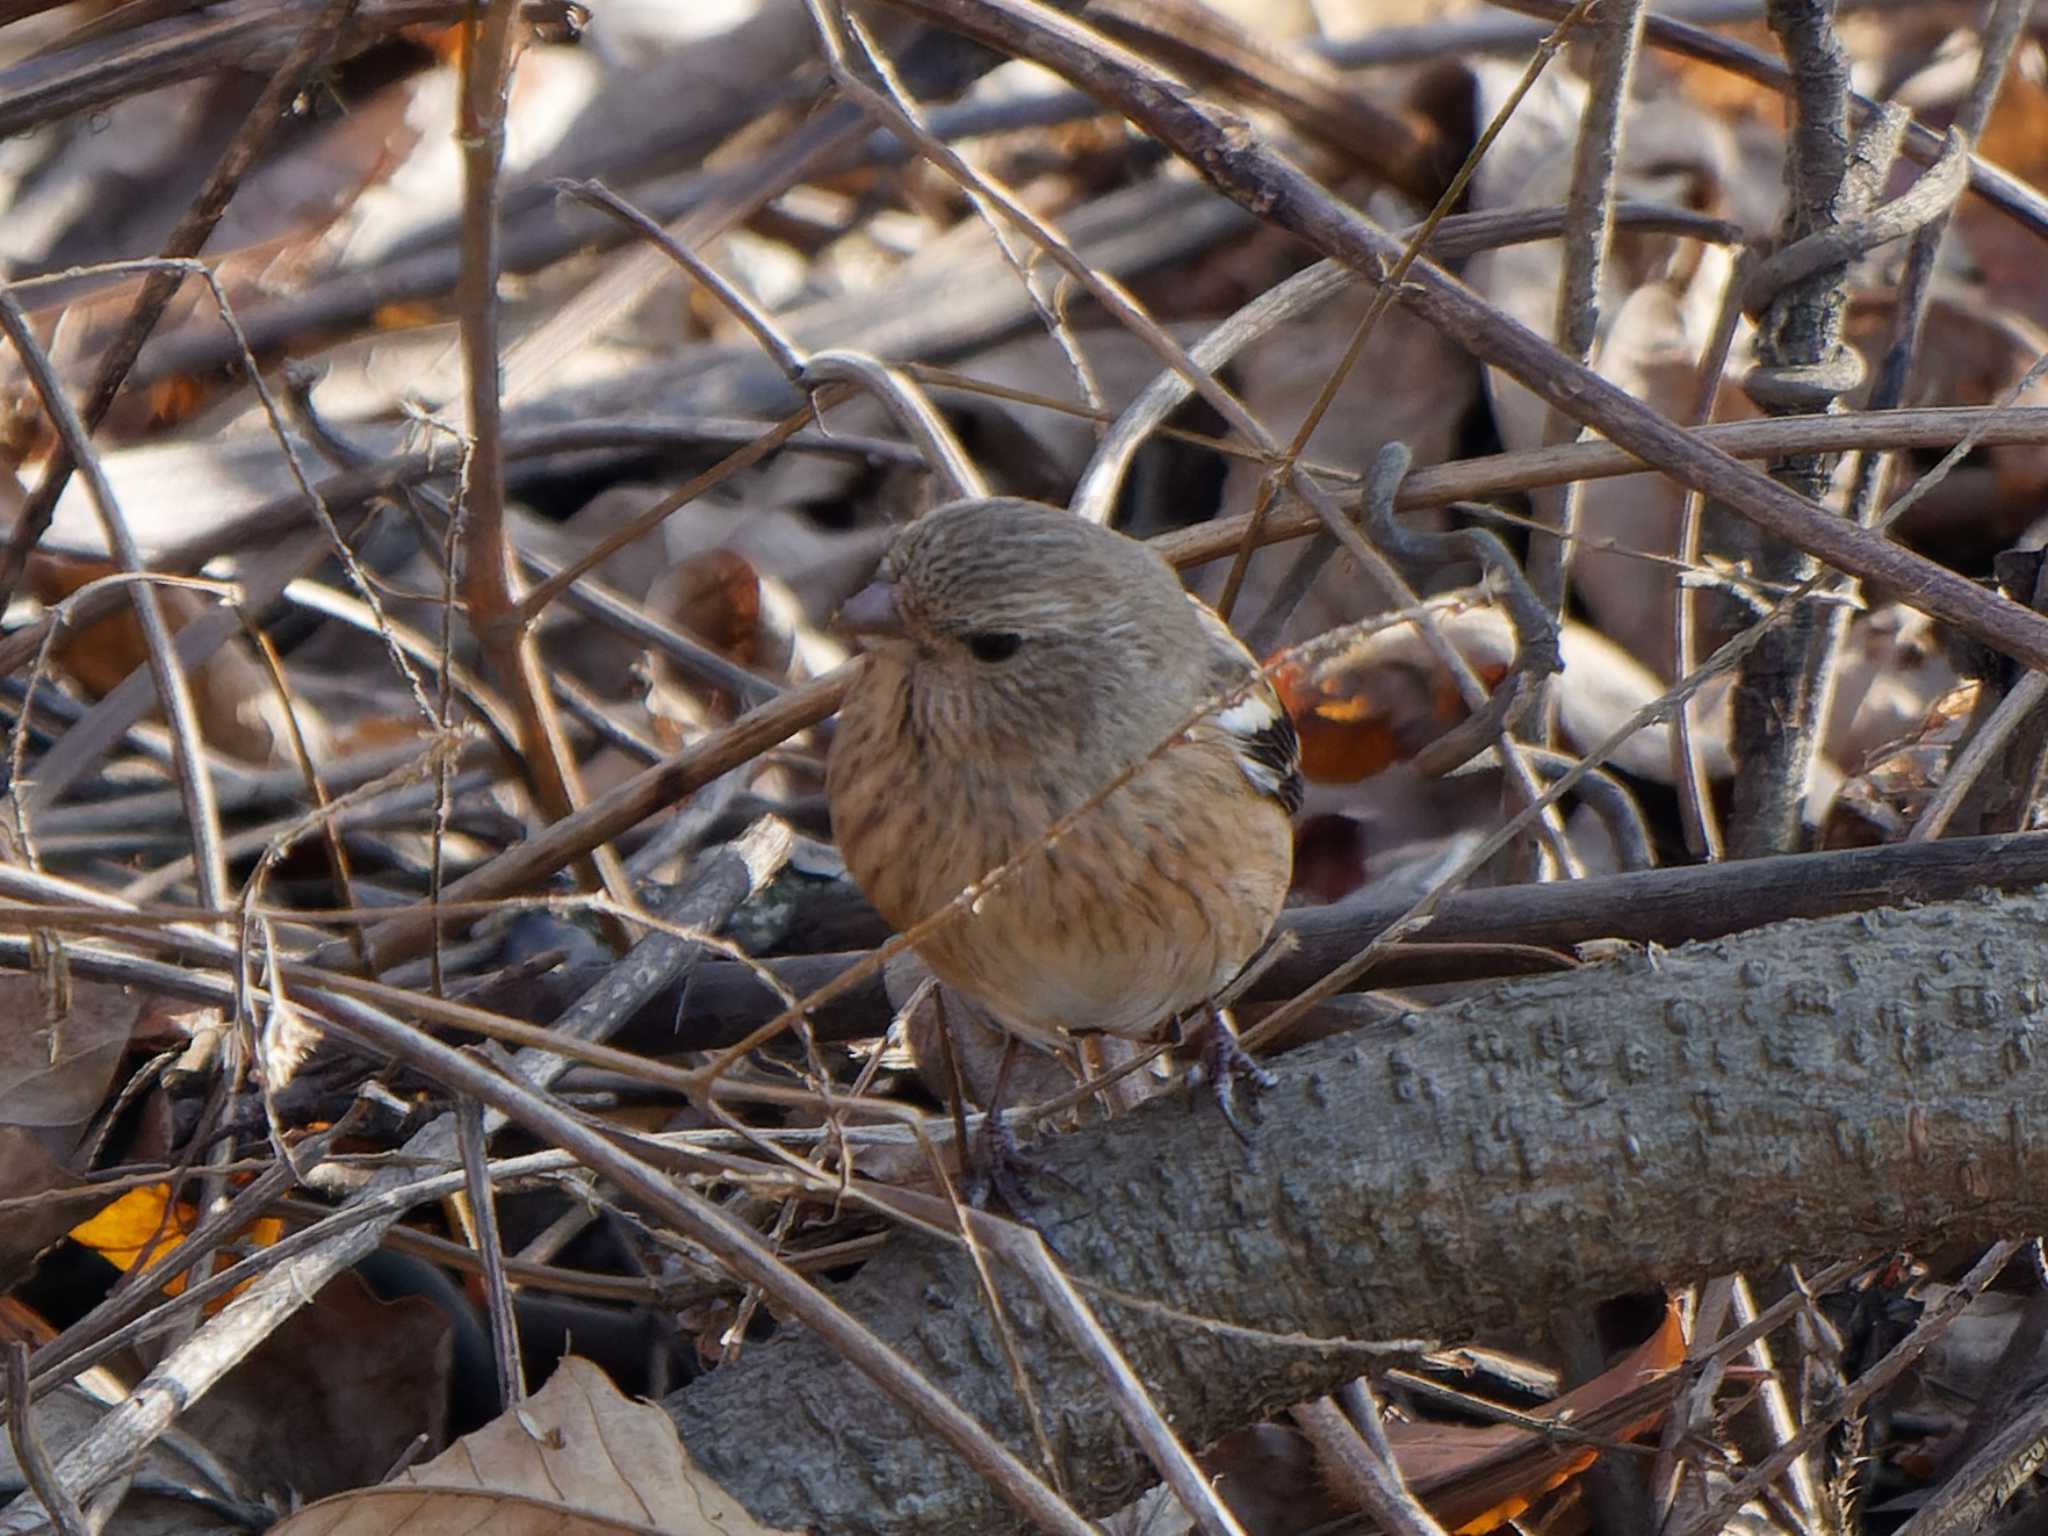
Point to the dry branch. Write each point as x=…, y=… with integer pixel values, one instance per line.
x=1808, y=1090
x=1230, y=154
x=1523, y=925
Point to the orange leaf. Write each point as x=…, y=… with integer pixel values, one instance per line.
x=143, y=1221
x=1475, y=1480
x=174, y=399
x=1381, y=699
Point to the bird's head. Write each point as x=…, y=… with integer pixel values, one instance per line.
x=1006, y=606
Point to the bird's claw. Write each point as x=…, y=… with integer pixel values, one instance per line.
x=1003, y=1171
x=1223, y=1064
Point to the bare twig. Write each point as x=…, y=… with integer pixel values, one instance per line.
x=717, y=889
x=1536, y=656
x=1969, y=764
x=158, y=1395
x=1235, y=160
x=1589, y=232
x=749, y=453
x=173, y=689
x=1934, y=1322
x=1026, y=1249
x=2005, y=22
x=613, y=812
x=1369, y=1474
x=494, y=611
x=66, y=1517
x=482, y=1206
x=185, y=240
x=202, y=40
x=264, y=577
x=1803, y=365
x=1688, y=767
x=906, y=404
x=2001, y=189
x=898, y=393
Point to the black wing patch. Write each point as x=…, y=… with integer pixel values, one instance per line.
x=1277, y=749
x=1262, y=737
x=1264, y=742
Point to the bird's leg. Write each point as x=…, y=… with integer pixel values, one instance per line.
x=990, y=1161
x=1223, y=1063
x=956, y=1085
x=1004, y=1169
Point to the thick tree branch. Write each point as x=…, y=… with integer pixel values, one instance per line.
x=1807, y=1090
x=1521, y=925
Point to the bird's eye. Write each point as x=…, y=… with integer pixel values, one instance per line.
x=994, y=644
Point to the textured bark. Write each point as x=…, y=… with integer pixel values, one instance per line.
x=1808, y=1090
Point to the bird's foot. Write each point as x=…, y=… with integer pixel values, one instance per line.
x=1222, y=1063
x=1003, y=1172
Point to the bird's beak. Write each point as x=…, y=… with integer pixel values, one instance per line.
x=873, y=611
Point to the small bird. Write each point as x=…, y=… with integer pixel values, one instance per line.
x=1020, y=658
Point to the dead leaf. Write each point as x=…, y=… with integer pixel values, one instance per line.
x=1383, y=698
x=1882, y=802
x=336, y=1395
x=1658, y=306
x=1893, y=670
x=55, y=1064
x=576, y=1459
x=143, y=1224
x=240, y=712
x=173, y=1486
x=29, y=1169
x=1478, y=1479
x=57, y=1059
x=1410, y=384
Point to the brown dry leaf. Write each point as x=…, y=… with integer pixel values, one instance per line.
x=1881, y=803
x=1893, y=670
x=1724, y=93
x=272, y=234
x=802, y=568
x=1973, y=350
x=29, y=1169
x=58, y=1055
x=1477, y=1480
x=2016, y=137
x=336, y=1396
x=2006, y=256
x=1410, y=384
x=718, y=598
x=576, y=1459
x=1384, y=698
x=99, y=654
x=240, y=712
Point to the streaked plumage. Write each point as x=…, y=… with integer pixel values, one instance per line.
x=1020, y=659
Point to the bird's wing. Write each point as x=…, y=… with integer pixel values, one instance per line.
x=1253, y=722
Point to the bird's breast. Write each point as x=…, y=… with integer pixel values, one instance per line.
x=1142, y=908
